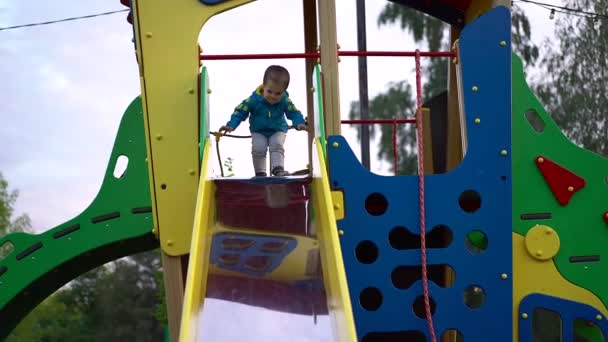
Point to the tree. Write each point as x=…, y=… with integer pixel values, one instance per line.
x=51, y=321
x=118, y=301
x=8, y=223
x=573, y=89
x=229, y=165
x=399, y=102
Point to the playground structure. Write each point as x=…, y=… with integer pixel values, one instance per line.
x=501, y=235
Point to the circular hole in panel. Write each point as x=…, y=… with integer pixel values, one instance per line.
x=606, y=179
x=474, y=296
x=419, y=308
x=402, y=238
x=476, y=241
x=121, y=166
x=440, y=236
x=403, y=277
x=535, y=120
x=376, y=204
x=163, y=186
x=469, y=201
x=366, y=252
x=370, y=299
x=396, y=336
x=334, y=183
x=503, y=178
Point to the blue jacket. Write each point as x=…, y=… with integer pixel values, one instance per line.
x=265, y=118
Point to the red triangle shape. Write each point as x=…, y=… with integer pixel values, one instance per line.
x=562, y=182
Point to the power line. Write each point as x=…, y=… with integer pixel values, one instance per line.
x=566, y=10
x=552, y=8
x=62, y=20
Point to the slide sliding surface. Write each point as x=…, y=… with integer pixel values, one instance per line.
x=265, y=262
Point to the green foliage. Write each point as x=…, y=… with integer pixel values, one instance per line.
x=8, y=223
x=521, y=37
x=161, y=309
x=573, y=87
x=52, y=321
x=229, y=167
x=395, y=102
x=399, y=102
x=114, y=302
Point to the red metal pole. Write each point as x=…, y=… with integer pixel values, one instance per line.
x=378, y=121
x=397, y=53
x=318, y=55
x=261, y=56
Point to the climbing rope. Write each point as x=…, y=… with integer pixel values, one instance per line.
x=217, y=136
x=425, y=280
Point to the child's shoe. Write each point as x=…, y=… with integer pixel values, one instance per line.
x=279, y=172
x=260, y=174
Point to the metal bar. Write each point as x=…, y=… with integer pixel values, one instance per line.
x=261, y=56
x=397, y=53
x=317, y=55
x=378, y=121
x=363, y=94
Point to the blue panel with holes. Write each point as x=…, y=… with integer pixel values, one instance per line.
x=567, y=310
x=255, y=255
x=380, y=244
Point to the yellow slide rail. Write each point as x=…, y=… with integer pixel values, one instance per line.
x=334, y=275
x=198, y=266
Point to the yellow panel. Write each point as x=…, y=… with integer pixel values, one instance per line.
x=198, y=266
x=337, y=198
x=167, y=41
x=339, y=303
x=532, y=276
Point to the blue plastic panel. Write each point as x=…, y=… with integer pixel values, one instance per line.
x=568, y=310
x=212, y=2
x=254, y=250
x=486, y=170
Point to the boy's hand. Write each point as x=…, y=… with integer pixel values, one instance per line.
x=302, y=127
x=226, y=129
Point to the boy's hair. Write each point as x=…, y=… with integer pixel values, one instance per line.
x=277, y=74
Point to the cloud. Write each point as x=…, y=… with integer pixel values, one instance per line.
x=65, y=87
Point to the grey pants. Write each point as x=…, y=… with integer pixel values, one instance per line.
x=260, y=144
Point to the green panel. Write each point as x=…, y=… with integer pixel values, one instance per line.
x=117, y=223
x=204, y=111
x=318, y=101
x=580, y=226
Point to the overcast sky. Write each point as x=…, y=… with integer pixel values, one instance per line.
x=64, y=88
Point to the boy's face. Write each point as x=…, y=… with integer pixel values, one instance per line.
x=273, y=91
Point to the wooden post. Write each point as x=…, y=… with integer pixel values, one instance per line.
x=174, y=280
x=427, y=138
x=454, y=149
x=310, y=45
x=329, y=65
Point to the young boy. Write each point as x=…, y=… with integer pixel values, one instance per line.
x=267, y=107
